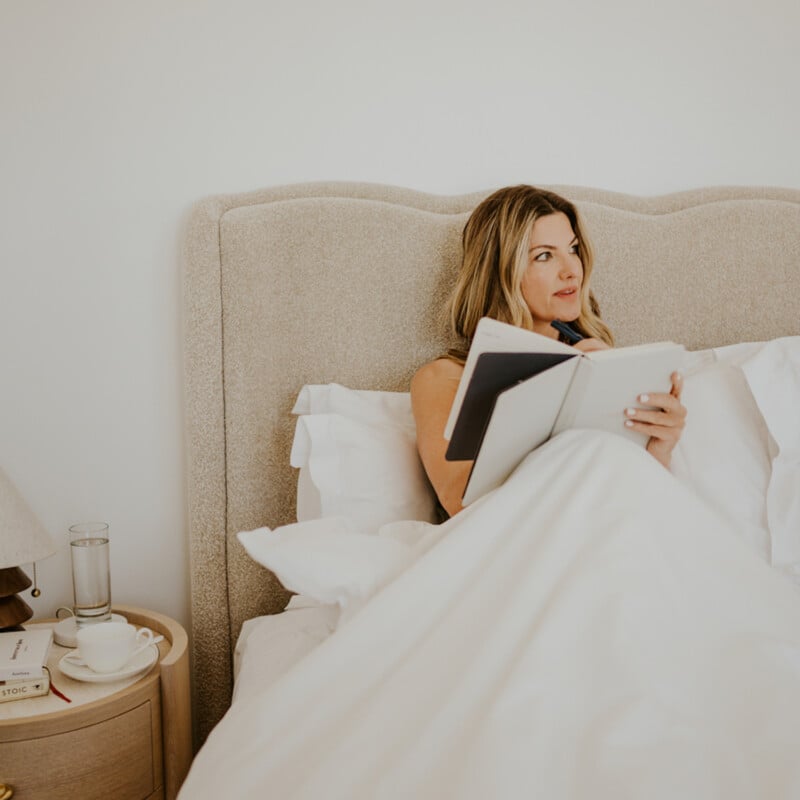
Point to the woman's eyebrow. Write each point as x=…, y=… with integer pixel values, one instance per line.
x=549, y=246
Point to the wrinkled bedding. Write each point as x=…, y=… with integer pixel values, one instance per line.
x=269, y=645
x=590, y=629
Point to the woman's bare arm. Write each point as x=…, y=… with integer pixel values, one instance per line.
x=432, y=391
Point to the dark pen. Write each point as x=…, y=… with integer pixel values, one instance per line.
x=570, y=334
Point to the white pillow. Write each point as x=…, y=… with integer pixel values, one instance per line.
x=357, y=455
x=370, y=407
x=773, y=374
x=332, y=562
x=725, y=451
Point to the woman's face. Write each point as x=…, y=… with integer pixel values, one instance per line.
x=551, y=284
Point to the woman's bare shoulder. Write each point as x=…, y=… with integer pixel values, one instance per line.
x=439, y=371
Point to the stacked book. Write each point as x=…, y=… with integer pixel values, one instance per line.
x=23, y=663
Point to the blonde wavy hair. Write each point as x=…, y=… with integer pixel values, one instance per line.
x=495, y=257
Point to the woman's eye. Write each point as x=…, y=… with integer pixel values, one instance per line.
x=575, y=249
x=545, y=256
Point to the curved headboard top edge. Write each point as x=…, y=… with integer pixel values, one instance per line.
x=218, y=205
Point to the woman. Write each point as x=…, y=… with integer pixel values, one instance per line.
x=526, y=261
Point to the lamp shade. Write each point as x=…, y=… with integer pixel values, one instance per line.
x=23, y=538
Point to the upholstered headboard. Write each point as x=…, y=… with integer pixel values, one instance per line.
x=341, y=282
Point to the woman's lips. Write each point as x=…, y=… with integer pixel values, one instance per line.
x=567, y=293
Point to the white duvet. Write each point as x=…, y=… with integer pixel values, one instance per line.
x=591, y=629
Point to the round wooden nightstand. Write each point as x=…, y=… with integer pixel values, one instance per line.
x=114, y=741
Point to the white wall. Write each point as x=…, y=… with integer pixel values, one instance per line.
x=117, y=116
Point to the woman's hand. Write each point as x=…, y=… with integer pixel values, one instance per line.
x=664, y=424
x=589, y=345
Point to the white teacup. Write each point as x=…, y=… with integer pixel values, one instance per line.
x=109, y=646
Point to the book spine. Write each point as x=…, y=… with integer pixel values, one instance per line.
x=574, y=397
x=23, y=689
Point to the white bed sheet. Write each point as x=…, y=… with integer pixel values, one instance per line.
x=271, y=645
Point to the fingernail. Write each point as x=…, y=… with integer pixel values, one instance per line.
x=628, y=423
x=643, y=398
x=631, y=412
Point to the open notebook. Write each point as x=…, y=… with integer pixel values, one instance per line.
x=519, y=388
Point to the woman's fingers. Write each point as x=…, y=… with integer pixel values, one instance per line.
x=664, y=433
x=677, y=384
x=666, y=416
x=663, y=424
x=662, y=406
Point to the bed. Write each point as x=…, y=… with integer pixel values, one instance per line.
x=336, y=290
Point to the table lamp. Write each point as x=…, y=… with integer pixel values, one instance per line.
x=23, y=540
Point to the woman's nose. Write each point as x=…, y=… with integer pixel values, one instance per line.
x=567, y=267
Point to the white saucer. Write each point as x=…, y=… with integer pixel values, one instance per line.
x=139, y=663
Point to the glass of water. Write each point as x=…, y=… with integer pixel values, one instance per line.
x=91, y=575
